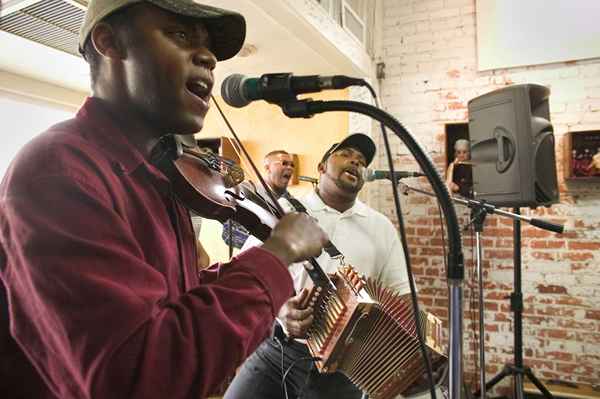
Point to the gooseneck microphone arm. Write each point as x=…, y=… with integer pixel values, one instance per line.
x=308, y=108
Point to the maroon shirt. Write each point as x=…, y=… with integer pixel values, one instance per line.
x=104, y=299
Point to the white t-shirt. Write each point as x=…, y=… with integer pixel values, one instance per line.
x=366, y=238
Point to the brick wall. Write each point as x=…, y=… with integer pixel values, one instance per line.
x=429, y=48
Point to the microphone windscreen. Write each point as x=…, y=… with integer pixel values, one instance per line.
x=232, y=91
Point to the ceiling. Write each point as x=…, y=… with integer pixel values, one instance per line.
x=278, y=40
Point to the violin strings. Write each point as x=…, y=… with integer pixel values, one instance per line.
x=280, y=211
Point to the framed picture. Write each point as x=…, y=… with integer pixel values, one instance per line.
x=582, y=155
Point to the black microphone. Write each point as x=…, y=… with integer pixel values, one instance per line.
x=371, y=175
x=308, y=179
x=239, y=90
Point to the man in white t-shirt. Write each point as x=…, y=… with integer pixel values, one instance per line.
x=368, y=241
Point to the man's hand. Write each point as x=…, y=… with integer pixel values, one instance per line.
x=295, y=238
x=295, y=319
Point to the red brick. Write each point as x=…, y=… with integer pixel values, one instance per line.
x=586, y=245
x=496, y=295
x=497, y=232
x=534, y=320
x=501, y=317
x=498, y=254
x=424, y=232
x=454, y=105
x=576, y=325
x=546, y=244
x=500, y=243
x=440, y=302
x=551, y=289
x=556, y=311
x=418, y=200
x=419, y=261
x=426, y=301
x=428, y=251
x=556, y=333
x=535, y=233
x=569, y=300
x=555, y=355
x=543, y=255
x=578, y=256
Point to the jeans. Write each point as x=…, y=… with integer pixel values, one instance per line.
x=260, y=377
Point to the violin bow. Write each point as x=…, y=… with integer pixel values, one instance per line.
x=279, y=210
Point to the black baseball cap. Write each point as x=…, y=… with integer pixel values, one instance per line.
x=227, y=28
x=360, y=141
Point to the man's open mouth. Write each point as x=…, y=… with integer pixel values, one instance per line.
x=352, y=172
x=199, y=88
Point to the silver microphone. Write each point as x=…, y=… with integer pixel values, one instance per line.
x=308, y=179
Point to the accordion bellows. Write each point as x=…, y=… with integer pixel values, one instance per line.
x=368, y=332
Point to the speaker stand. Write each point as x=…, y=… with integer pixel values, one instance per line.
x=516, y=299
x=517, y=370
x=478, y=215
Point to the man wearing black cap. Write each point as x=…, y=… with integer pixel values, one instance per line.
x=367, y=240
x=98, y=276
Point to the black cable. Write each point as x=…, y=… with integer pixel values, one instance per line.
x=278, y=342
x=411, y=281
x=305, y=358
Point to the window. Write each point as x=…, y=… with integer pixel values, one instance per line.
x=23, y=119
x=352, y=20
x=357, y=17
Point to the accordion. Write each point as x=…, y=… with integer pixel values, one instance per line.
x=368, y=332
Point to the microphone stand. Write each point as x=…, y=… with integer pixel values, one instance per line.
x=308, y=108
x=479, y=210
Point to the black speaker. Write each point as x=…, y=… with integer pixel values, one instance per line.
x=512, y=147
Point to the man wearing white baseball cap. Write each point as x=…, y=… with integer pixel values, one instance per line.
x=100, y=295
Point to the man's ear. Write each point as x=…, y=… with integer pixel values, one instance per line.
x=321, y=167
x=106, y=42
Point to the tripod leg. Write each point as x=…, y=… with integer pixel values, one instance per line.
x=538, y=383
x=518, y=386
x=506, y=371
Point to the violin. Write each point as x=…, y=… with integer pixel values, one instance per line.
x=206, y=183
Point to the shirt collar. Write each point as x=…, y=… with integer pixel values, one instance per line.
x=111, y=136
x=316, y=204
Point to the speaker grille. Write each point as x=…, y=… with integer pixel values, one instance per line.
x=546, y=190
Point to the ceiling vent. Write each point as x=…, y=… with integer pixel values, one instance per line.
x=53, y=23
